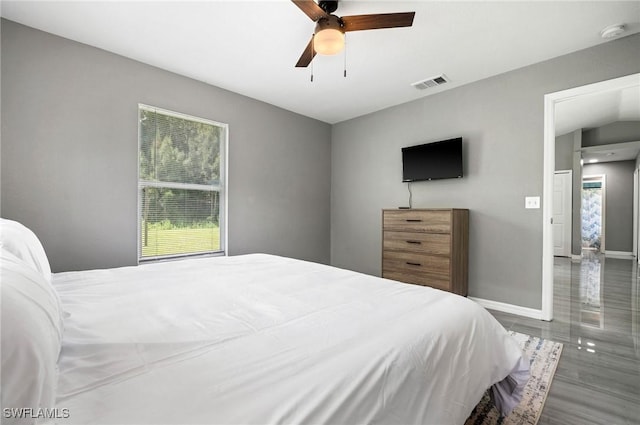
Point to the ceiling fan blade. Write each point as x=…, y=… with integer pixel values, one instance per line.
x=378, y=21
x=310, y=8
x=307, y=56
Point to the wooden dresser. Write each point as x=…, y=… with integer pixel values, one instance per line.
x=427, y=247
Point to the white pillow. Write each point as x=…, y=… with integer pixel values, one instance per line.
x=31, y=336
x=24, y=244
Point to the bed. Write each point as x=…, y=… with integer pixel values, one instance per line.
x=241, y=340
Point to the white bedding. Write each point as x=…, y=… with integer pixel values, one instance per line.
x=266, y=339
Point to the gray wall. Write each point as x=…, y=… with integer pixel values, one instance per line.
x=568, y=157
x=617, y=132
x=618, y=202
x=69, y=154
x=564, y=152
x=501, y=121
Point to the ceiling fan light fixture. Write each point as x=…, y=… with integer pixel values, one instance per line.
x=328, y=41
x=329, y=35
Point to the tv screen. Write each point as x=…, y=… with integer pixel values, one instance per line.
x=432, y=161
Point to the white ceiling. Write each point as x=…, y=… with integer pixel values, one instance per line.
x=609, y=153
x=251, y=47
x=598, y=109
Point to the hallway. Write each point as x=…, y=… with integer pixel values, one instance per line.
x=597, y=318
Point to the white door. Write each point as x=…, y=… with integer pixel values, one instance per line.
x=562, y=213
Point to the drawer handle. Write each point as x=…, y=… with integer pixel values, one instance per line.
x=415, y=242
x=413, y=220
x=413, y=264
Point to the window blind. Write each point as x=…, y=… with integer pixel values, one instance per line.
x=180, y=185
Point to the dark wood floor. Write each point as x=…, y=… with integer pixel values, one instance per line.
x=597, y=318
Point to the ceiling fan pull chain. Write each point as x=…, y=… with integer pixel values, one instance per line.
x=345, y=55
x=313, y=49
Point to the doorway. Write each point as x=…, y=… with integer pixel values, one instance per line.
x=593, y=213
x=551, y=102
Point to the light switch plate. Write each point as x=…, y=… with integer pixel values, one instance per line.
x=532, y=202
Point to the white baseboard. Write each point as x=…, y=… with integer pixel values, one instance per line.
x=619, y=254
x=509, y=308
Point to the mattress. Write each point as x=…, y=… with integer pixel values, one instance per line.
x=265, y=339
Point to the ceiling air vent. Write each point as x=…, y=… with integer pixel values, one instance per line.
x=430, y=82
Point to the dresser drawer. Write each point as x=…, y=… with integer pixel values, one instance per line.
x=419, y=279
x=416, y=263
x=427, y=243
x=431, y=221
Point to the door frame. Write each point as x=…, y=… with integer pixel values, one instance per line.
x=636, y=233
x=549, y=155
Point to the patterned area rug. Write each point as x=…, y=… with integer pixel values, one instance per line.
x=544, y=356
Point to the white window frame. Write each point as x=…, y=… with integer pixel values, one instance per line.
x=221, y=187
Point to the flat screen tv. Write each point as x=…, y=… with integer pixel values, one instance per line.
x=432, y=161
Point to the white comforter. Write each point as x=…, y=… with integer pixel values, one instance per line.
x=265, y=339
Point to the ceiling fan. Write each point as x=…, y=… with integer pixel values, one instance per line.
x=328, y=37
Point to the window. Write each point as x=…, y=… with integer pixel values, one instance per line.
x=181, y=175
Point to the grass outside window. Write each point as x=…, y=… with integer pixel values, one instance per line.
x=164, y=242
